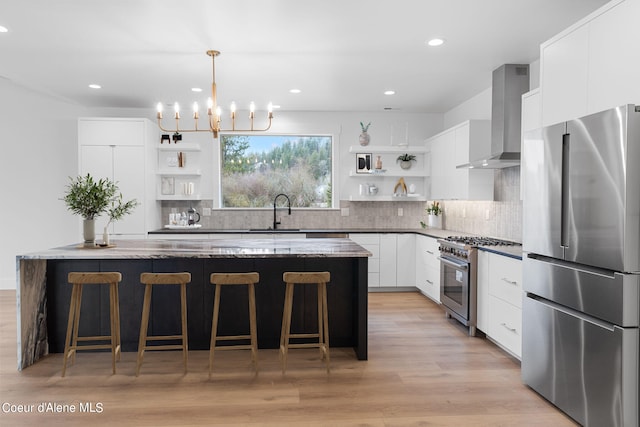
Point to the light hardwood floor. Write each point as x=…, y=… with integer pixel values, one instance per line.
x=422, y=371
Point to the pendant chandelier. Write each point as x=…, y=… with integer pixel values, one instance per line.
x=214, y=111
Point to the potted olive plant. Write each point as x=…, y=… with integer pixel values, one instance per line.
x=405, y=160
x=90, y=198
x=434, y=217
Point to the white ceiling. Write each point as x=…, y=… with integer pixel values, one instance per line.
x=342, y=54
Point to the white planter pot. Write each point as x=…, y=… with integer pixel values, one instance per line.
x=434, y=221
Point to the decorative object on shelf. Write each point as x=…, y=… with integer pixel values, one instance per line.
x=182, y=159
x=412, y=188
x=400, y=189
x=378, y=162
x=165, y=137
x=214, y=111
x=363, y=162
x=405, y=160
x=89, y=199
x=373, y=190
x=188, y=188
x=167, y=186
x=434, y=217
x=176, y=137
x=364, y=136
x=117, y=211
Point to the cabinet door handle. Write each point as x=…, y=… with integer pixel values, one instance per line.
x=429, y=282
x=511, y=282
x=430, y=252
x=507, y=327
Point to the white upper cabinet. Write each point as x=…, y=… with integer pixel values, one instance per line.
x=123, y=151
x=564, y=76
x=593, y=65
x=456, y=146
x=614, y=57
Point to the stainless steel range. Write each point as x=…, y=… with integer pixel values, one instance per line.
x=459, y=276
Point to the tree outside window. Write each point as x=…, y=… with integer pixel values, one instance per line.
x=256, y=168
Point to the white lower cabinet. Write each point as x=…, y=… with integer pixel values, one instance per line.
x=500, y=300
x=371, y=242
x=427, y=267
x=393, y=262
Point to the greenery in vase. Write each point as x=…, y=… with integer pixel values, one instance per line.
x=90, y=198
x=365, y=128
x=406, y=158
x=119, y=209
x=434, y=209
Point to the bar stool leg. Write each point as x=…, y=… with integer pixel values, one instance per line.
x=286, y=325
x=76, y=324
x=252, y=325
x=183, y=308
x=142, y=342
x=70, y=324
x=113, y=326
x=325, y=320
x=214, y=326
x=117, y=314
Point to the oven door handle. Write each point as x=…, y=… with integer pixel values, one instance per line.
x=453, y=264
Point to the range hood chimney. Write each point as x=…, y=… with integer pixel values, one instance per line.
x=510, y=81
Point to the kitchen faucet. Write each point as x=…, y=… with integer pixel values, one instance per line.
x=275, y=222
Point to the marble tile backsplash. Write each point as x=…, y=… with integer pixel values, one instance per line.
x=501, y=218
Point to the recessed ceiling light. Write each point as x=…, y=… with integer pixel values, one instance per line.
x=389, y=92
x=3, y=29
x=275, y=106
x=435, y=42
x=196, y=89
x=295, y=91
x=95, y=86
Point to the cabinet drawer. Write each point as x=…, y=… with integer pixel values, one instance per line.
x=505, y=325
x=374, y=280
x=374, y=265
x=505, y=279
x=432, y=283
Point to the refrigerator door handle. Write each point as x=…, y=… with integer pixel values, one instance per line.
x=608, y=274
x=573, y=313
x=565, y=196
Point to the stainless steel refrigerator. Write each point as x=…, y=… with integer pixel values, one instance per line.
x=581, y=266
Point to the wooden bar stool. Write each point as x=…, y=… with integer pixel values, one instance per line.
x=78, y=279
x=150, y=279
x=320, y=279
x=220, y=279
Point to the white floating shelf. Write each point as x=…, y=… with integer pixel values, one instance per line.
x=178, y=197
x=393, y=173
x=184, y=146
x=178, y=172
x=414, y=198
x=392, y=149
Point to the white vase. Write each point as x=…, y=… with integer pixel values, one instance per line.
x=89, y=232
x=105, y=237
x=434, y=221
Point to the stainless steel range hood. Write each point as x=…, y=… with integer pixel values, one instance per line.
x=510, y=81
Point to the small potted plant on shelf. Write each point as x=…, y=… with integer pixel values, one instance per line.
x=405, y=160
x=364, y=136
x=434, y=217
x=90, y=198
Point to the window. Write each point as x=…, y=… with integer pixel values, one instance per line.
x=256, y=168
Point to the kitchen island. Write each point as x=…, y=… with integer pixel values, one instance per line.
x=43, y=293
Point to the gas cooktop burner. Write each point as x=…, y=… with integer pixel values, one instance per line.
x=480, y=241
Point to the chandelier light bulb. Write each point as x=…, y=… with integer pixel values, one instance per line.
x=252, y=107
x=233, y=107
x=176, y=108
x=159, y=111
